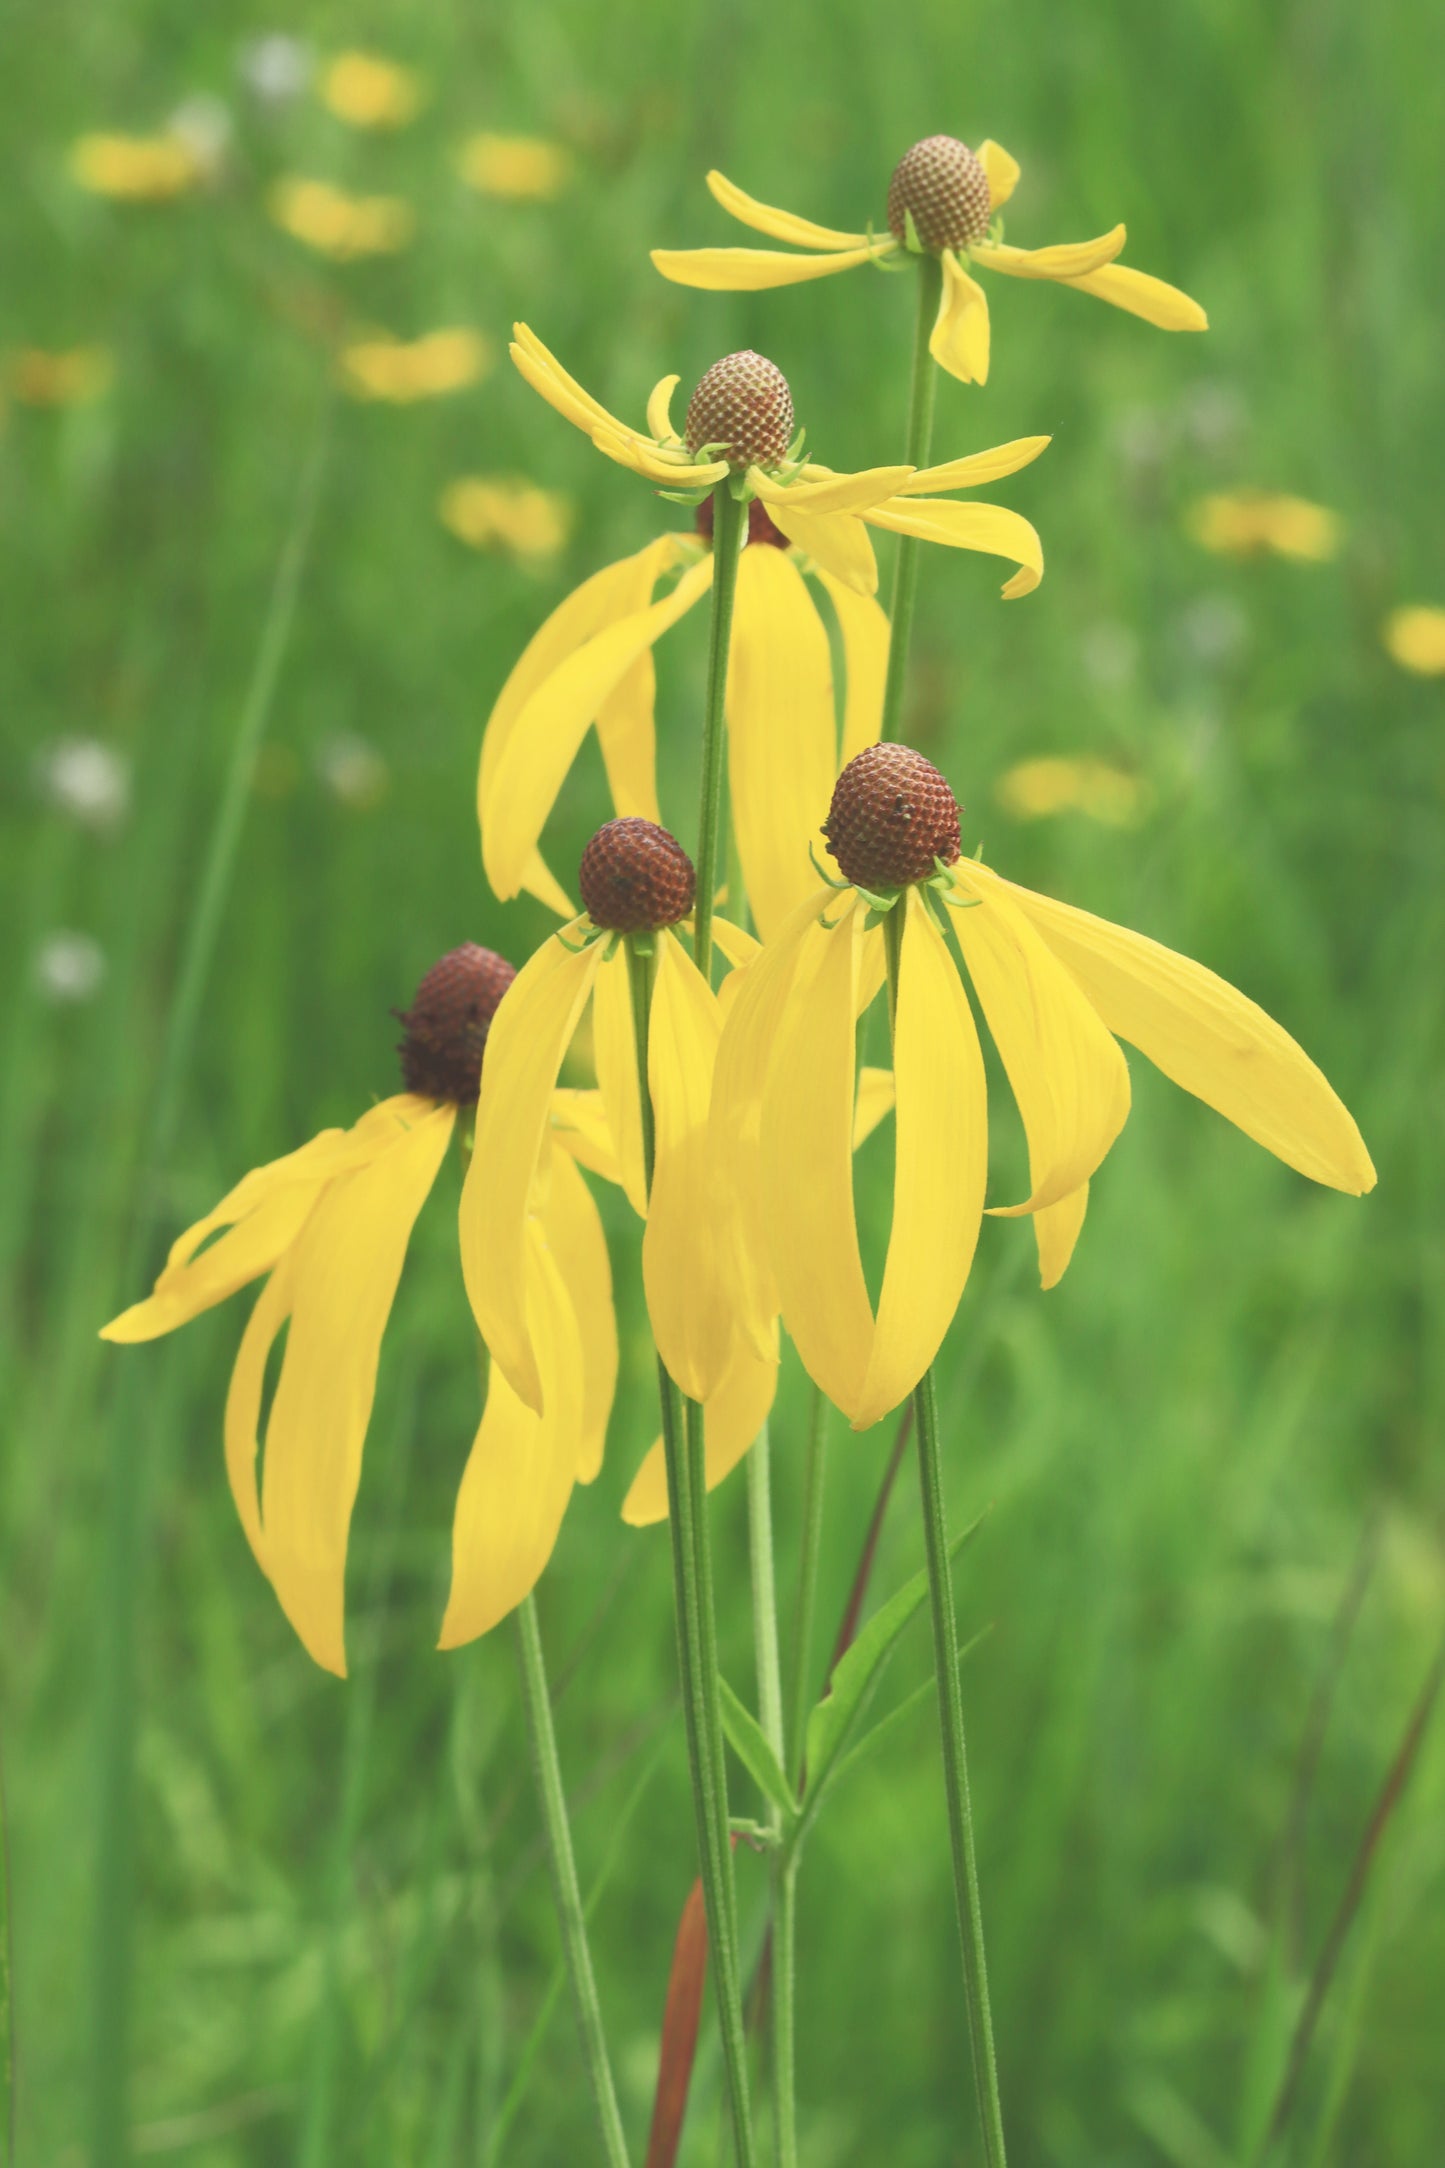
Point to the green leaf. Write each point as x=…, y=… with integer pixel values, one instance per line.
x=856, y=1676
x=886, y=1726
x=745, y=1737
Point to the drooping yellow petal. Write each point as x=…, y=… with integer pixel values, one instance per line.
x=738, y=945
x=262, y=1215
x=1153, y=299
x=581, y=1127
x=1002, y=170
x=1056, y=1230
x=1208, y=1038
x=659, y=407
x=341, y=1279
x=976, y=468
x=780, y=225
x=875, y=1101
x=1064, y=1068
x=614, y=1049
x=546, y=375
x=751, y=270
x=520, y=1471
x=782, y=734
x=959, y=341
x=807, y=1164
x=574, y=1235
x=990, y=528
x=1069, y=260
x=940, y=1168
x=530, y=1033
x=864, y=626
x=553, y=722
x=692, y=1321
x=732, y=1419
x=242, y=1429
x=672, y=469
x=836, y=541
x=823, y=491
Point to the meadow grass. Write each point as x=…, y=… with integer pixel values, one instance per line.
x=1224, y=1426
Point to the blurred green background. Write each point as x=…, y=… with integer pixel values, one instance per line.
x=1214, y=1564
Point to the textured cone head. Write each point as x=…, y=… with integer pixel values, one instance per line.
x=946, y=189
x=743, y=404
x=760, y=527
x=892, y=815
x=635, y=877
x=448, y=1021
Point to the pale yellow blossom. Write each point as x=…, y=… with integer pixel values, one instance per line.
x=489, y=511
x=134, y=169
x=402, y=370
x=1250, y=522
x=1034, y=789
x=72, y=378
x=1415, y=637
x=338, y=225
x=523, y=169
x=368, y=92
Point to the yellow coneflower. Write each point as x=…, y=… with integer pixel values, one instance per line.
x=368, y=92
x=340, y=226
x=506, y=511
x=1034, y=789
x=402, y=371
x=943, y=200
x=70, y=378
x=1248, y=523
x=1057, y=988
x=135, y=169
x=329, y=1226
x=518, y=169
x=1415, y=638
x=591, y=662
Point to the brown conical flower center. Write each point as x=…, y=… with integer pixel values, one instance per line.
x=761, y=528
x=635, y=877
x=743, y=404
x=448, y=1021
x=945, y=189
x=892, y=815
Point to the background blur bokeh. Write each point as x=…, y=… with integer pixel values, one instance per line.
x=1214, y=1566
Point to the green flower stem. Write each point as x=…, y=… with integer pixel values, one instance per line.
x=537, y=1700
x=785, y=1988
x=730, y=519
x=682, y=1442
x=770, y=1717
x=950, y=1708
x=920, y=443
x=813, y=1474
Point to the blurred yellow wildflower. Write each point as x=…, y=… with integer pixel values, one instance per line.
x=338, y=225
x=1415, y=637
x=134, y=169
x=403, y=370
x=506, y=511
x=1247, y=523
x=39, y=378
x=523, y=169
x=368, y=92
x=1034, y=789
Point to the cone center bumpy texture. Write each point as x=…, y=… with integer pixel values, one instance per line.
x=744, y=404
x=635, y=877
x=946, y=189
x=892, y=815
x=448, y=1021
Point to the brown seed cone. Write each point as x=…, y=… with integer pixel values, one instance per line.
x=892, y=815
x=743, y=404
x=761, y=528
x=945, y=187
x=448, y=1021
x=635, y=877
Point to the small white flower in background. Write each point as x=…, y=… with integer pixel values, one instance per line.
x=1141, y=440
x=69, y=967
x=1110, y=655
x=1214, y=416
x=205, y=126
x=354, y=772
x=276, y=68
x=1213, y=630
x=85, y=779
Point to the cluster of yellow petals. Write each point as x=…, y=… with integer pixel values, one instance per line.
x=401, y=371
x=135, y=169
x=326, y=219
x=1253, y=523
x=72, y=377
x=515, y=168
x=1414, y=637
x=505, y=511
x=1035, y=789
x=368, y=92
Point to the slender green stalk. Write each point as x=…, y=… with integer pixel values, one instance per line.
x=950, y=1710
x=7, y=2026
x=770, y=1717
x=814, y=1470
x=730, y=519
x=130, y=1418
x=537, y=1701
x=682, y=1442
x=785, y=1995
x=920, y=441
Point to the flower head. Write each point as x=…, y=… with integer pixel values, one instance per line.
x=1057, y=989
x=135, y=169
x=367, y=91
x=1034, y=789
x=486, y=510
x=340, y=226
x=1251, y=523
x=1415, y=637
x=635, y=877
x=402, y=371
x=327, y=1227
x=943, y=200
x=516, y=169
